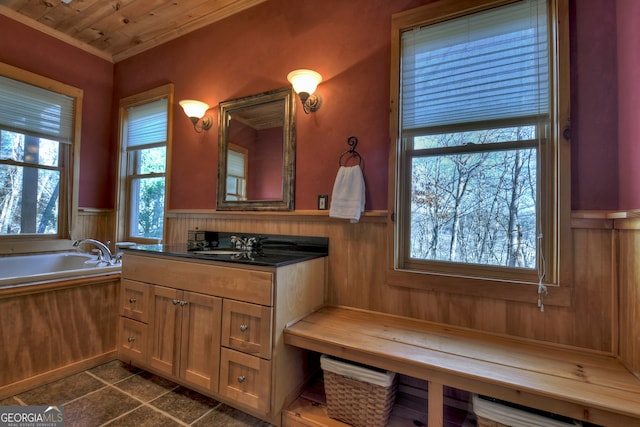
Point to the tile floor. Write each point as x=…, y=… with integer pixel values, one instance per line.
x=119, y=395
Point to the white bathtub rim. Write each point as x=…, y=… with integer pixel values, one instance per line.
x=20, y=282
x=54, y=276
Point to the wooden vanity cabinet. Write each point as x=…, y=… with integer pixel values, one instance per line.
x=132, y=341
x=184, y=335
x=246, y=379
x=218, y=327
x=247, y=327
x=134, y=316
x=245, y=368
x=134, y=300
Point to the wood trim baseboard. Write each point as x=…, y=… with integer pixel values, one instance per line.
x=56, y=374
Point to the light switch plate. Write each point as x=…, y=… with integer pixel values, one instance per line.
x=323, y=202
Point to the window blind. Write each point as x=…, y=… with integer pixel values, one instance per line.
x=235, y=164
x=487, y=66
x=36, y=111
x=147, y=124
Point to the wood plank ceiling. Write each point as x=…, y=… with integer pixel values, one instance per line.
x=118, y=29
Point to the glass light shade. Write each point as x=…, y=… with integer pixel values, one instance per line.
x=304, y=80
x=193, y=108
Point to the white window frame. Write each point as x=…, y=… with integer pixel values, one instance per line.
x=69, y=162
x=478, y=280
x=125, y=178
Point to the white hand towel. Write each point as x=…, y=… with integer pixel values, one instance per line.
x=347, y=200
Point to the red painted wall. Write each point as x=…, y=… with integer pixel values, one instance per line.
x=349, y=44
x=252, y=52
x=594, y=105
x=33, y=51
x=628, y=19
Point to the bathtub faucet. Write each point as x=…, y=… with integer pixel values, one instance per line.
x=104, y=254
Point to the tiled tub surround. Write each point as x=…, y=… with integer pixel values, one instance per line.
x=117, y=394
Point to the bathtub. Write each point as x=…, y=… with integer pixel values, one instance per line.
x=35, y=269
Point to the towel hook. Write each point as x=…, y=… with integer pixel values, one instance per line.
x=353, y=142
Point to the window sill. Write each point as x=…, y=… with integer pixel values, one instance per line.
x=478, y=287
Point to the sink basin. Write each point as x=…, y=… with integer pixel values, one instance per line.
x=218, y=252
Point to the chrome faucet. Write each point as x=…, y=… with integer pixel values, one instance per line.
x=239, y=243
x=104, y=253
x=251, y=244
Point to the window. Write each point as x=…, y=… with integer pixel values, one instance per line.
x=37, y=139
x=237, y=159
x=476, y=166
x=143, y=162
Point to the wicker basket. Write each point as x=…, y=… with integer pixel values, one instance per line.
x=363, y=397
x=495, y=413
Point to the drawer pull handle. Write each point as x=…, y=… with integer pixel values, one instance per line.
x=132, y=300
x=131, y=339
x=244, y=327
x=175, y=301
x=241, y=379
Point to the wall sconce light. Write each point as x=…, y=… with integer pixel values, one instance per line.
x=304, y=82
x=196, y=110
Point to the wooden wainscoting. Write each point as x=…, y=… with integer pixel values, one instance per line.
x=629, y=281
x=49, y=333
x=95, y=224
x=358, y=264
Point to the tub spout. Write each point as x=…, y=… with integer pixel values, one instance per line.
x=106, y=252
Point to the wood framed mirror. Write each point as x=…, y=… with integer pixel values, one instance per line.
x=257, y=151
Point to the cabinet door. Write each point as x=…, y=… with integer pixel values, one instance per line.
x=134, y=300
x=246, y=379
x=164, y=329
x=247, y=327
x=200, y=340
x=132, y=339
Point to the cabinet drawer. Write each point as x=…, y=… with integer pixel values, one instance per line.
x=132, y=340
x=207, y=278
x=134, y=300
x=247, y=328
x=245, y=379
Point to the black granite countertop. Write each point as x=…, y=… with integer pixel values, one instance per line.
x=276, y=251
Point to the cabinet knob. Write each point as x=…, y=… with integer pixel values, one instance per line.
x=132, y=300
x=175, y=301
x=183, y=303
x=244, y=327
x=241, y=379
x=131, y=339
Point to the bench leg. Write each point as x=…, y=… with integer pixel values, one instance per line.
x=436, y=404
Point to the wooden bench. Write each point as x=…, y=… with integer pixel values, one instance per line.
x=576, y=383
